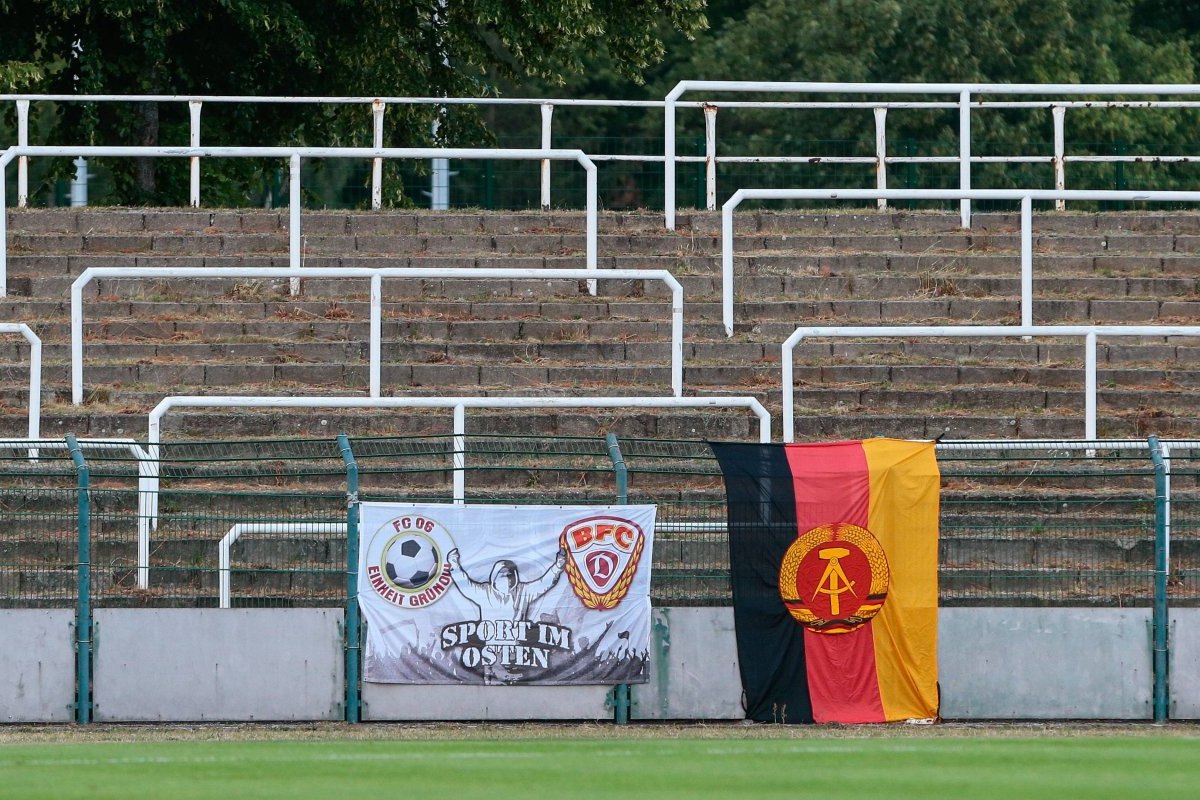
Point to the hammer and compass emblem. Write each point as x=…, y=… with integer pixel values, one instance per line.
x=834, y=578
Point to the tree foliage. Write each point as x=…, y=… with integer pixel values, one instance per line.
x=940, y=41
x=310, y=48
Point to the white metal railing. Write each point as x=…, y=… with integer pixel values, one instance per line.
x=294, y=155
x=224, y=588
x=377, y=107
x=881, y=98
x=961, y=97
x=1088, y=332
x=35, y=373
x=376, y=276
x=458, y=405
x=1023, y=196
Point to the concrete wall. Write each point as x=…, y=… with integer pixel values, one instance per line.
x=693, y=667
x=1185, y=664
x=993, y=663
x=184, y=664
x=1045, y=663
x=286, y=664
x=37, y=665
x=384, y=701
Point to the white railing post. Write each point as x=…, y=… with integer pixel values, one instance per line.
x=77, y=335
x=1027, y=260
x=194, y=107
x=1089, y=388
x=1089, y=332
x=377, y=109
x=1059, y=114
x=294, y=259
x=547, y=131
x=1024, y=196
x=23, y=161
x=460, y=453
x=376, y=333
x=964, y=155
x=35, y=381
x=710, y=156
x=5, y=158
x=881, y=154
x=35, y=377
x=376, y=274
x=727, y=260
x=669, y=156
x=592, y=219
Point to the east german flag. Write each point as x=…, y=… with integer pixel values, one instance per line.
x=833, y=552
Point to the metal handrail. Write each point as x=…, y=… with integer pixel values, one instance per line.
x=375, y=274
x=1024, y=196
x=458, y=405
x=1089, y=332
x=967, y=98
x=294, y=155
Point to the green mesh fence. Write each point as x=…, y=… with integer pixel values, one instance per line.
x=1018, y=527
x=691, y=548
x=39, y=525
x=277, y=508
x=494, y=469
x=280, y=506
x=1029, y=524
x=1044, y=526
x=1183, y=581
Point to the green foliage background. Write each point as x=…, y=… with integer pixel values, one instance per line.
x=612, y=49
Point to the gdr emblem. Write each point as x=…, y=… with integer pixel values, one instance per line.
x=834, y=578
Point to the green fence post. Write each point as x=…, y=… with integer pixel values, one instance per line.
x=353, y=689
x=83, y=598
x=621, y=701
x=1160, y=616
x=619, y=468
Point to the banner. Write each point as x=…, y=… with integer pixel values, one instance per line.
x=498, y=595
x=833, y=552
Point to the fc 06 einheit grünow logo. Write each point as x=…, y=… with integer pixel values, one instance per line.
x=408, y=566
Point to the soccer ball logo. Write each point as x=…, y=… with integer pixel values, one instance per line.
x=411, y=561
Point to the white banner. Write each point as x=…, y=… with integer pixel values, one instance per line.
x=497, y=595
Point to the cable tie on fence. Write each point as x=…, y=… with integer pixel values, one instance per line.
x=351, y=498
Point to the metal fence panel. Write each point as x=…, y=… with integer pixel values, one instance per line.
x=1036, y=524
x=1051, y=524
x=493, y=469
x=1183, y=585
x=39, y=525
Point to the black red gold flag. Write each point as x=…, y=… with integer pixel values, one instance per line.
x=833, y=553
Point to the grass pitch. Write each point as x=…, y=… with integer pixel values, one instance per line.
x=590, y=761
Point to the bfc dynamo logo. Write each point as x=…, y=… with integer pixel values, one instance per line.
x=834, y=578
x=411, y=570
x=602, y=559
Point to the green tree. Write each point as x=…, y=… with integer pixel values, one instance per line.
x=309, y=48
x=993, y=41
